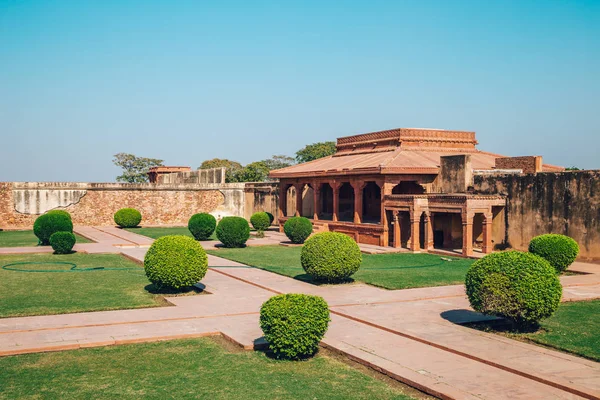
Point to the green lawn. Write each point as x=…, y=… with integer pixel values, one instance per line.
x=391, y=271
x=574, y=328
x=157, y=232
x=185, y=369
x=38, y=293
x=26, y=239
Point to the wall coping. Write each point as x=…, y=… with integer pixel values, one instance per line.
x=121, y=186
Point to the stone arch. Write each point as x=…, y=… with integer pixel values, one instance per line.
x=408, y=187
x=346, y=203
x=326, y=202
x=371, y=203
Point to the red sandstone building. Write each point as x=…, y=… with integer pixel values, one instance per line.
x=404, y=188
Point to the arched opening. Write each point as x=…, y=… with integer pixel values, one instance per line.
x=290, y=204
x=371, y=203
x=447, y=231
x=308, y=203
x=408, y=187
x=346, y=203
x=326, y=202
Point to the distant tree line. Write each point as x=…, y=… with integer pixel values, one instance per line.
x=135, y=169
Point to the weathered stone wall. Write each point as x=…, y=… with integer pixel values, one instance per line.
x=95, y=203
x=566, y=203
x=456, y=174
x=262, y=197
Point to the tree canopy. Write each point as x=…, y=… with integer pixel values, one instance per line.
x=278, y=162
x=135, y=169
x=253, y=172
x=315, y=151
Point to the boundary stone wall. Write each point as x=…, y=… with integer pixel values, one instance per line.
x=160, y=204
x=567, y=203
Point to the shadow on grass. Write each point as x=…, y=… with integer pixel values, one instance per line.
x=309, y=279
x=222, y=246
x=263, y=347
x=198, y=288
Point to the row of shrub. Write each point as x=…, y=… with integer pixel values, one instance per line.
x=232, y=232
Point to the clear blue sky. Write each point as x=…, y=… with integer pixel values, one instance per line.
x=187, y=81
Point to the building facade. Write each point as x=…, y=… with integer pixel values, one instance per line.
x=404, y=188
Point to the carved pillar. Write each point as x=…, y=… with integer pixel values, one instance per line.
x=428, y=231
x=467, y=221
x=282, y=199
x=299, y=191
x=415, y=221
x=316, y=201
x=397, y=230
x=336, y=200
x=383, y=218
x=487, y=233
x=358, y=201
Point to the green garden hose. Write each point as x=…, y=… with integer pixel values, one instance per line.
x=16, y=267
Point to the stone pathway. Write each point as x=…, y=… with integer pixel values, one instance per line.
x=412, y=335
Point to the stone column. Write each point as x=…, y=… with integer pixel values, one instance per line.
x=336, y=201
x=487, y=233
x=383, y=219
x=299, y=191
x=283, y=187
x=316, y=201
x=383, y=241
x=467, y=221
x=282, y=200
x=397, y=230
x=428, y=231
x=358, y=201
x=415, y=221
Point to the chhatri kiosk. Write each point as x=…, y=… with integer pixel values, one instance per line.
x=404, y=188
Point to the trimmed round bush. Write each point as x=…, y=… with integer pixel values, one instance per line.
x=62, y=242
x=330, y=257
x=61, y=212
x=294, y=324
x=51, y=222
x=260, y=221
x=520, y=287
x=233, y=231
x=202, y=226
x=128, y=217
x=559, y=250
x=298, y=229
x=175, y=262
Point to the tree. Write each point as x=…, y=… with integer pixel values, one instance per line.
x=135, y=169
x=278, y=162
x=315, y=151
x=253, y=172
x=232, y=167
x=572, y=169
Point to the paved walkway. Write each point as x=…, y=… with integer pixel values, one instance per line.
x=412, y=335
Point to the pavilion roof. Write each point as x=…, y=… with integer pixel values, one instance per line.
x=397, y=151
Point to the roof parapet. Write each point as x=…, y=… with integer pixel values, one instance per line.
x=407, y=137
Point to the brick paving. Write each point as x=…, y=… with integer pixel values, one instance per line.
x=412, y=335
